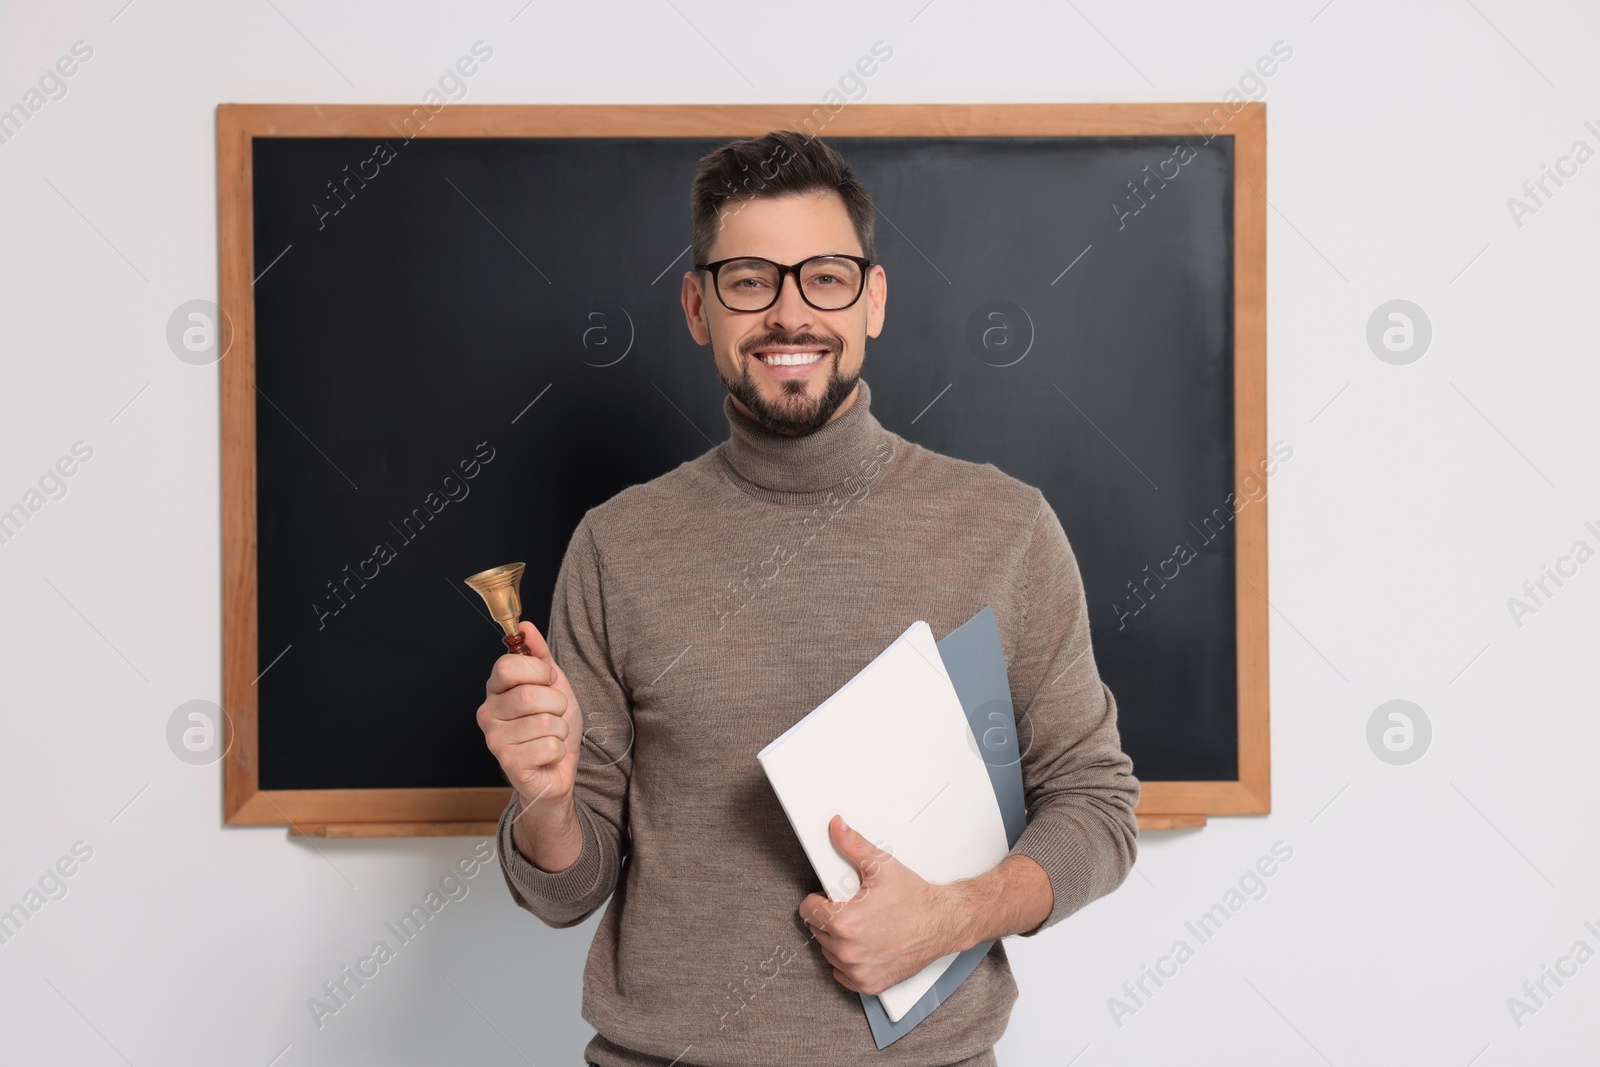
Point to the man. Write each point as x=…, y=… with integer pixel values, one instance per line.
x=699, y=615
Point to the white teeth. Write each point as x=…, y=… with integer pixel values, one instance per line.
x=790, y=359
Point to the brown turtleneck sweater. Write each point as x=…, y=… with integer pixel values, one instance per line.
x=701, y=614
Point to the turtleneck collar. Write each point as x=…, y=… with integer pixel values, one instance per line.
x=841, y=456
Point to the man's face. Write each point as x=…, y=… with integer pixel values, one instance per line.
x=788, y=399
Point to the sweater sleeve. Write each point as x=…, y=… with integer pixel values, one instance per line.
x=578, y=644
x=1078, y=783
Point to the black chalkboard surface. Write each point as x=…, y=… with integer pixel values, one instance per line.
x=478, y=338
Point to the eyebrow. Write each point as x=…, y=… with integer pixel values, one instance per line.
x=814, y=255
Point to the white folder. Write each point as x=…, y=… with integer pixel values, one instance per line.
x=893, y=754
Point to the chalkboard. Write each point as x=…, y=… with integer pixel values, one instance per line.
x=460, y=343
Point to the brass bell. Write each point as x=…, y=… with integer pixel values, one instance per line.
x=499, y=588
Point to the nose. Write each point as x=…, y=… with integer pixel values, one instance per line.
x=790, y=313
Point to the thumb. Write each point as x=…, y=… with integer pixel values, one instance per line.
x=863, y=854
x=535, y=641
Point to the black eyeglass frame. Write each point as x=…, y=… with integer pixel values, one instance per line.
x=783, y=271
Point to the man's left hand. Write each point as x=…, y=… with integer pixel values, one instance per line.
x=895, y=925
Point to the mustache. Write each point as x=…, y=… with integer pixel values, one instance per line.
x=833, y=345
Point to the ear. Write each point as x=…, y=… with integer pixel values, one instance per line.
x=877, y=297
x=694, y=308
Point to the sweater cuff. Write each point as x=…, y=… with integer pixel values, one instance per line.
x=1057, y=846
x=562, y=888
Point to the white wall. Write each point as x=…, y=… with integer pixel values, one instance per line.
x=1418, y=898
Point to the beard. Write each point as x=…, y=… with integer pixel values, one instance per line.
x=794, y=413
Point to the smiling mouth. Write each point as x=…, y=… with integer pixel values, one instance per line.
x=790, y=358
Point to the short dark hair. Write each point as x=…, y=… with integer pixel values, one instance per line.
x=780, y=163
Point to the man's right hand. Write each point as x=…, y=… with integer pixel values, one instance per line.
x=533, y=725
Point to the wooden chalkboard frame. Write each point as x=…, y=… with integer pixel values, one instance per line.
x=420, y=812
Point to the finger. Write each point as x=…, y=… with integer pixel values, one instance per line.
x=830, y=944
x=820, y=920
x=838, y=976
x=531, y=699
x=811, y=907
x=532, y=727
x=521, y=702
x=510, y=671
x=829, y=910
x=537, y=754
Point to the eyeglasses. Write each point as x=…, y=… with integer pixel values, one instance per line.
x=749, y=283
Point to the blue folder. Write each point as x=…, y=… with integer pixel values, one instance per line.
x=976, y=663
